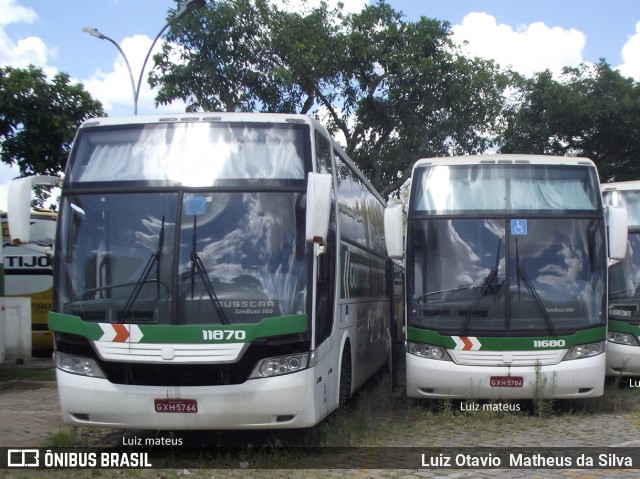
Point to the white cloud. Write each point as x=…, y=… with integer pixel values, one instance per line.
x=26, y=51
x=12, y=13
x=631, y=56
x=527, y=49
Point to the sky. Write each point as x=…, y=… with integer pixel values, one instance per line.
x=526, y=35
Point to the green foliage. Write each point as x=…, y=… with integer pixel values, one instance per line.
x=590, y=112
x=38, y=118
x=419, y=97
x=62, y=438
x=392, y=90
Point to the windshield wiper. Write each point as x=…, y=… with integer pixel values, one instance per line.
x=154, y=260
x=196, y=264
x=634, y=290
x=493, y=274
x=485, y=287
x=521, y=273
x=424, y=296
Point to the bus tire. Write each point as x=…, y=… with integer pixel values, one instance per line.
x=345, y=376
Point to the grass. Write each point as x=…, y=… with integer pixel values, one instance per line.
x=618, y=398
x=25, y=373
x=63, y=438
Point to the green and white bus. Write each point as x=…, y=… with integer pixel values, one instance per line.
x=506, y=277
x=623, y=347
x=215, y=271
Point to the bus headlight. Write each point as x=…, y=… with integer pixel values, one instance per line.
x=78, y=365
x=428, y=351
x=585, y=350
x=622, y=338
x=281, y=365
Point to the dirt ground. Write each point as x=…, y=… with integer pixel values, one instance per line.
x=30, y=417
x=29, y=413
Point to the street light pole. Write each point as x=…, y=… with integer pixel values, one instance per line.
x=184, y=10
x=187, y=8
x=94, y=32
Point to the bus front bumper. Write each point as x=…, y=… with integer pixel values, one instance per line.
x=269, y=403
x=580, y=378
x=623, y=360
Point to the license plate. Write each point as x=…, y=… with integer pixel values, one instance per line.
x=176, y=405
x=506, y=381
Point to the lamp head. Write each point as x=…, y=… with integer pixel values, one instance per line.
x=188, y=7
x=93, y=32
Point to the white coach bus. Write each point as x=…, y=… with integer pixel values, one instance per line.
x=215, y=271
x=506, y=277
x=623, y=347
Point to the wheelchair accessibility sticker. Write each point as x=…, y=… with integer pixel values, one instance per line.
x=519, y=227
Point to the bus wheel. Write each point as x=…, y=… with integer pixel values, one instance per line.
x=345, y=376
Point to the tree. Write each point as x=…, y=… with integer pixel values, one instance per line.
x=38, y=119
x=417, y=96
x=590, y=111
x=395, y=90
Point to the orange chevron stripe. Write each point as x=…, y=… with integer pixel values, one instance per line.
x=467, y=343
x=121, y=333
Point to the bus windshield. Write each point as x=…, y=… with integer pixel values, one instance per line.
x=172, y=254
x=536, y=267
x=457, y=189
x=188, y=154
x=629, y=200
x=624, y=276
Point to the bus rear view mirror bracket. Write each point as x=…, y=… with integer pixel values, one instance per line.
x=318, y=209
x=394, y=231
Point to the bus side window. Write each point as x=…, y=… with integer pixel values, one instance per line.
x=325, y=290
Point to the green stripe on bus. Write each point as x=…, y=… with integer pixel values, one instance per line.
x=624, y=327
x=187, y=334
x=509, y=343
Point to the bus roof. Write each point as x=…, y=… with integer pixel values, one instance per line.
x=621, y=186
x=210, y=117
x=201, y=117
x=515, y=159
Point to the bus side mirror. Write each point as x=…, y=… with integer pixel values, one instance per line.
x=318, y=207
x=394, y=231
x=19, y=205
x=617, y=232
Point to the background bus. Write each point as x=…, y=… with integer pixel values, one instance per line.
x=506, y=275
x=28, y=272
x=623, y=349
x=215, y=271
